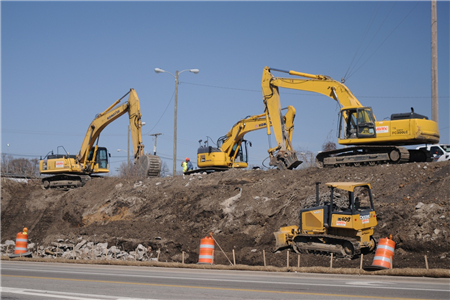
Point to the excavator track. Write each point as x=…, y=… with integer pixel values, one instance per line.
x=367, y=155
x=65, y=181
x=345, y=247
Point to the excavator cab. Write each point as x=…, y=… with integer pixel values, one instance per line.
x=99, y=155
x=239, y=152
x=357, y=122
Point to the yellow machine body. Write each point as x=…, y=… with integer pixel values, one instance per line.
x=68, y=170
x=328, y=228
x=231, y=150
x=374, y=141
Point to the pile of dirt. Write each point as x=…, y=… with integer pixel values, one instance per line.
x=241, y=207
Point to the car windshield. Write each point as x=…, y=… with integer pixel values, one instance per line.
x=446, y=148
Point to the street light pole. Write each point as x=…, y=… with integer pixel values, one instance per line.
x=6, y=160
x=195, y=71
x=175, y=125
x=155, y=135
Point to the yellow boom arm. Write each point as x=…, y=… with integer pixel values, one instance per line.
x=109, y=115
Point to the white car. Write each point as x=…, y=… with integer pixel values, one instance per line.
x=440, y=152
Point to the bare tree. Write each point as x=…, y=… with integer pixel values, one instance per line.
x=328, y=146
x=307, y=157
x=165, y=171
x=20, y=166
x=127, y=170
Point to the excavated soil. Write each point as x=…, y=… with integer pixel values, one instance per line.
x=241, y=207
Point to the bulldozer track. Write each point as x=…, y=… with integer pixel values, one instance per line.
x=345, y=247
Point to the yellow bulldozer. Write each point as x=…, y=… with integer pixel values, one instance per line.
x=342, y=224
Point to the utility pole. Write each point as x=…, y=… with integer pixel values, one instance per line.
x=434, y=66
x=156, y=136
x=177, y=73
x=128, y=152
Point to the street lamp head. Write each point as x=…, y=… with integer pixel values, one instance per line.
x=158, y=70
x=195, y=71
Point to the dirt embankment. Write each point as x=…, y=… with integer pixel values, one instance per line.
x=242, y=208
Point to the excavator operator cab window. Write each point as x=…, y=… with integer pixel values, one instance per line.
x=357, y=123
x=366, y=123
x=241, y=155
x=101, y=158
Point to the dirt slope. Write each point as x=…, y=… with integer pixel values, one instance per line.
x=242, y=208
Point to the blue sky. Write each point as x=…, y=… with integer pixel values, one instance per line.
x=64, y=62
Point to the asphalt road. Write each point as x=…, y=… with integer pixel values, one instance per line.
x=29, y=280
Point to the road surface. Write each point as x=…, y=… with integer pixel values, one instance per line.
x=30, y=280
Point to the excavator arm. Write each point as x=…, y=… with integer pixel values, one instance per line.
x=112, y=113
x=313, y=83
x=234, y=137
x=283, y=156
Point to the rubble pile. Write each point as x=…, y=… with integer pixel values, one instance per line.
x=83, y=250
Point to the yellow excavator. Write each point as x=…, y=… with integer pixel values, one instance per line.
x=367, y=141
x=343, y=225
x=70, y=171
x=231, y=149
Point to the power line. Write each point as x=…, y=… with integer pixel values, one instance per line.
x=384, y=40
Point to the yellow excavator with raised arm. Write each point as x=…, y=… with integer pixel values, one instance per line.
x=69, y=171
x=231, y=149
x=371, y=142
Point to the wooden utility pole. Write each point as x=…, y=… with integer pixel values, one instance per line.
x=434, y=66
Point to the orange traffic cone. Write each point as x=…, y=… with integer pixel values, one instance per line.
x=206, y=255
x=21, y=245
x=383, y=255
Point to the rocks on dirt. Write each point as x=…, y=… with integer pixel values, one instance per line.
x=84, y=250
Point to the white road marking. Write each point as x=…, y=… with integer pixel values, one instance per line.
x=64, y=295
x=354, y=284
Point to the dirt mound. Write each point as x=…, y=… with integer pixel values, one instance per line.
x=241, y=207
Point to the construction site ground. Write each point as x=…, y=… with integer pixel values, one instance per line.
x=242, y=208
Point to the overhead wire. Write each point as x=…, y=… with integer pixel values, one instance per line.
x=369, y=25
x=351, y=74
x=162, y=114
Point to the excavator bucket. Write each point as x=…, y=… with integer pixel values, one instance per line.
x=149, y=165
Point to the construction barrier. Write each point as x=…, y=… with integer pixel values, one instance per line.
x=383, y=255
x=21, y=242
x=206, y=255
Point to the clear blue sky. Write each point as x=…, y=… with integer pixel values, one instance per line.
x=64, y=62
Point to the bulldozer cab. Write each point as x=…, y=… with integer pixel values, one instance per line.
x=350, y=206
